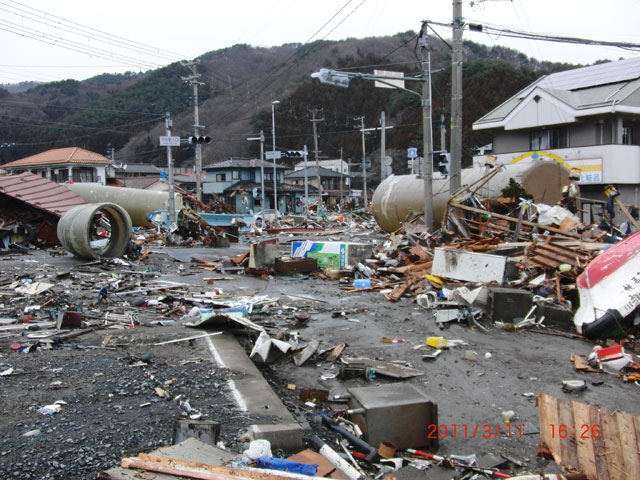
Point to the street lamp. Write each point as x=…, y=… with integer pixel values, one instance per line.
x=342, y=79
x=273, y=135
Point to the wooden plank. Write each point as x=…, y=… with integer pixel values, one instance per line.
x=586, y=454
x=568, y=446
x=173, y=466
x=513, y=220
x=636, y=424
x=598, y=442
x=613, y=449
x=548, y=406
x=629, y=442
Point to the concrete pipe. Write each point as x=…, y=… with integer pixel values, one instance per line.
x=135, y=201
x=95, y=230
x=400, y=195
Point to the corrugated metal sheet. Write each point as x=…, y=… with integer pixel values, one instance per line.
x=61, y=156
x=39, y=192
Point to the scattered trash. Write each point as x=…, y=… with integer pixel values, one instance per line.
x=572, y=386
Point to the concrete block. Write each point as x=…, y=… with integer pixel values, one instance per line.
x=398, y=413
x=296, y=265
x=207, y=431
x=507, y=304
x=555, y=315
x=264, y=254
x=287, y=436
x=468, y=266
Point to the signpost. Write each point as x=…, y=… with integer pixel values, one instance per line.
x=168, y=141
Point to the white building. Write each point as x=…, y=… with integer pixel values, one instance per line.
x=587, y=118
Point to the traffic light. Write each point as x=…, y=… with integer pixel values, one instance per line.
x=332, y=77
x=193, y=140
x=293, y=153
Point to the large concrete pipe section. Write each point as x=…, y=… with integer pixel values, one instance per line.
x=400, y=195
x=135, y=201
x=80, y=228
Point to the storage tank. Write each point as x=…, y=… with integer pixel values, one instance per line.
x=400, y=195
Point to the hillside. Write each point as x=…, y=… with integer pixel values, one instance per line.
x=126, y=112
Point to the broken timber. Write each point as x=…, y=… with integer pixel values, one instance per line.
x=509, y=219
x=600, y=443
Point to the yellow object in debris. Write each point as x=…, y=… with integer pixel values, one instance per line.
x=434, y=279
x=437, y=342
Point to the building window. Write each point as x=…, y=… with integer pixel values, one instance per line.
x=268, y=176
x=60, y=176
x=221, y=177
x=552, y=138
x=83, y=175
x=235, y=175
x=627, y=137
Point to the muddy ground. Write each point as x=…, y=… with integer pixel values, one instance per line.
x=112, y=410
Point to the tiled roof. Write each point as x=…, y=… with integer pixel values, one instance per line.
x=141, y=168
x=60, y=156
x=39, y=192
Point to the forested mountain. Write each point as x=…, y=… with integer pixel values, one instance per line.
x=126, y=111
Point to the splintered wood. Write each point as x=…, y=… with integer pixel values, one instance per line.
x=599, y=443
x=550, y=254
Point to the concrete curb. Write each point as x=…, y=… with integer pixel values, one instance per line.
x=255, y=396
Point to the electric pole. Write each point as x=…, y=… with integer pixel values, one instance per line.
x=364, y=163
x=193, y=81
x=427, y=142
x=172, y=201
x=456, y=98
x=315, y=120
x=443, y=132
x=306, y=182
x=384, y=168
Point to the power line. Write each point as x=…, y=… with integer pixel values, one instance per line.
x=263, y=86
x=68, y=45
x=507, y=32
x=90, y=32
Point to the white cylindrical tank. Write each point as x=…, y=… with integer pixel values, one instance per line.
x=400, y=195
x=135, y=201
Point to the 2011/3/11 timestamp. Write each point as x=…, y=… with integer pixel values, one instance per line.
x=578, y=431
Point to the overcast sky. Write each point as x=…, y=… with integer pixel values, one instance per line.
x=48, y=40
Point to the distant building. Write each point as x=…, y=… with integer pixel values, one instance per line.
x=587, y=118
x=138, y=170
x=334, y=184
x=337, y=165
x=65, y=164
x=238, y=181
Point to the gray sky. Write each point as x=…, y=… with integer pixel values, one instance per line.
x=159, y=32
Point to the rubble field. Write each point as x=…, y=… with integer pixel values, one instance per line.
x=120, y=392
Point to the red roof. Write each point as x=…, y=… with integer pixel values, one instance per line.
x=60, y=156
x=39, y=192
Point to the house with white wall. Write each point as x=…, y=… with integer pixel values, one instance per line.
x=586, y=118
x=70, y=164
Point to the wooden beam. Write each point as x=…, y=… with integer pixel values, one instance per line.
x=514, y=220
